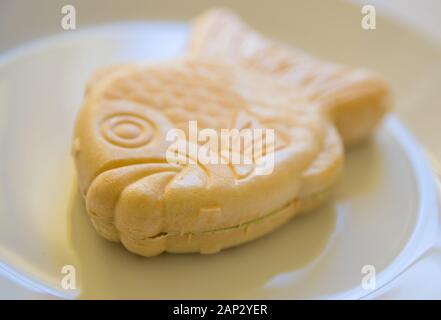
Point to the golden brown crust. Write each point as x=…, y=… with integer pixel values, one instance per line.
x=232, y=78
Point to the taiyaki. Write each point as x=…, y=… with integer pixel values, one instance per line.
x=230, y=78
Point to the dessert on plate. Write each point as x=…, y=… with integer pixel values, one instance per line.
x=142, y=191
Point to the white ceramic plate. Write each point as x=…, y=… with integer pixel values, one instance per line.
x=385, y=212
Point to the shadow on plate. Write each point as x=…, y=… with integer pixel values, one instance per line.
x=107, y=270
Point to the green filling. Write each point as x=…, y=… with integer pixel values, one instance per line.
x=313, y=196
